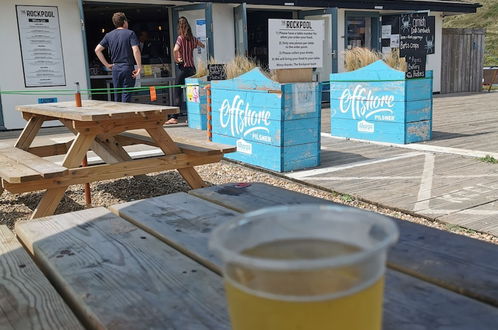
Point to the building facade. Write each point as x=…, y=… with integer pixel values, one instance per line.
x=228, y=27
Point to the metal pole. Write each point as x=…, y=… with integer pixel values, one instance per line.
x=209, y=113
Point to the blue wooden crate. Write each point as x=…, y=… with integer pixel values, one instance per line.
x=196, y=97
x=378, y=103
x=274, y=126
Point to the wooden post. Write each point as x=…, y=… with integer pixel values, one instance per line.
x=209, y=113
x=84, y=163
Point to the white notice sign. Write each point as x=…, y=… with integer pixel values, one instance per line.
x=295, y=43
x=41, y=47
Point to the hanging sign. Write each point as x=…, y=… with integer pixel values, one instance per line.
x=295, y=43
x=41, y=46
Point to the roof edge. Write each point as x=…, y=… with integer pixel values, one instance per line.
x=442, y=6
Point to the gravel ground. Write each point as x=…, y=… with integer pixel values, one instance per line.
x=14, y=207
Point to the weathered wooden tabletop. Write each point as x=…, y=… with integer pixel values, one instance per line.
x=145, y=264
x=92, y=110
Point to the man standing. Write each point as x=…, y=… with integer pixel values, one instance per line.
x=123, y=46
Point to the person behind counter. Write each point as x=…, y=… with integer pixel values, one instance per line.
x=184, y=58
x=145, y=47
x=123, y=46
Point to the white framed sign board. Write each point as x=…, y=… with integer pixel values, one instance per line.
x=295, y=44
x=41, y=46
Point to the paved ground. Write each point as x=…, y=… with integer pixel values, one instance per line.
x=442, y=179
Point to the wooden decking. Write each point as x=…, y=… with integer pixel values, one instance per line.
x=442, y=178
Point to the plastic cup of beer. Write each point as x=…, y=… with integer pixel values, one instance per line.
x=305, y=267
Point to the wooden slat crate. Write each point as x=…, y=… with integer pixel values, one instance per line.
x=377, y=103
x=197, y=102
x=274, y=126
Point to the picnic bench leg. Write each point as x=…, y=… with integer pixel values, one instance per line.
x=168, y=146
x=29, y=132
x=111, y=151
x=52, y=197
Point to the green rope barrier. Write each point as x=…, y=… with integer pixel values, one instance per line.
x=103, y=91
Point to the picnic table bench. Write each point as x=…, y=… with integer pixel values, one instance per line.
x=145, y=264
x=101, y=127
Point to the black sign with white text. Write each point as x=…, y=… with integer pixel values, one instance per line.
x=216, y=72
x=415, y=66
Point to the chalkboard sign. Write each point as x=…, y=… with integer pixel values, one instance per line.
x=415, y=66
x=416, y=34
x=217, y=72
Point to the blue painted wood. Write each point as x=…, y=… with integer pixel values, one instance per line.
x=418, y=131
x=274, y=126
x=196, y=102
x=377, y=103
x=272, y=157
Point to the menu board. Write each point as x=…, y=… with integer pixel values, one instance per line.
x=41, y=46
x=295, y=43
x=414, y=35
x=216, y=72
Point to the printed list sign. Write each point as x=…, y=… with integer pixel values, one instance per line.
x=295, y=44
x=41, y=47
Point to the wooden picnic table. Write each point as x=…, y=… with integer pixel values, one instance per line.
x=99, y=126
x=145, y=264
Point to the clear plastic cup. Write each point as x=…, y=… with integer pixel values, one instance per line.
x=305, y=267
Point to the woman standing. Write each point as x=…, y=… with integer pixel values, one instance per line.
x=184, y=58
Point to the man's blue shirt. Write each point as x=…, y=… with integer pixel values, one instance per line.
x=119, y=43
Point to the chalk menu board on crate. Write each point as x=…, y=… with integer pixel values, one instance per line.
x=216, y=72
x=414, y=35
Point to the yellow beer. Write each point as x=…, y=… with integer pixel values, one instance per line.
x=314, y=299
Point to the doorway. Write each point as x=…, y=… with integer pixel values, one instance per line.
x=151, y=25
x=362, y=30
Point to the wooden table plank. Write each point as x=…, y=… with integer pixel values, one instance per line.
x=253, y=196
x=456, y=262
x=13, y=172
x=117, y=276
x=46, y=168
x=410, y=303
x=27, y=299
x=177, y=219
x=95, y=110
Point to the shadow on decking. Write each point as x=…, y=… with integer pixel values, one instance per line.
x=438, y=135
x=337, y=158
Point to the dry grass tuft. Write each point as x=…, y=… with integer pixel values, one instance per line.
x=239, y=65
x=395, y=61
x=359, y=57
